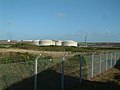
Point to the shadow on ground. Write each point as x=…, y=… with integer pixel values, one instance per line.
x=94, y=85
x=117, y=66
x=51, y=80
x=47, y=80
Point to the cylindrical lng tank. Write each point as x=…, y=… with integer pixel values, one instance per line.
x=46, y=42
x=36, y=42
x=53, y=42
x=58, y=43
x=69, y=43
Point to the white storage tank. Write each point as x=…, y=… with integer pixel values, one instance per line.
x=46, y=42
x=36, y=42
x=53, y=42
x=8, y=40
x=69, y=43
x=58, y=43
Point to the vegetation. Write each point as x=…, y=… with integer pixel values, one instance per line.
x=12, y=70
x=5, y=45
x=58, y=48
x=107, y=81
x=15, y=57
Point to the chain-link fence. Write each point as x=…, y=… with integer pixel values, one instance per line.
x=58, y=73
x=98, y=63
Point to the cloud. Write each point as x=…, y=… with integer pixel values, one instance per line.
x=60, y=14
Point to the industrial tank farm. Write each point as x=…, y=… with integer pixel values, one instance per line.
x=55, y=42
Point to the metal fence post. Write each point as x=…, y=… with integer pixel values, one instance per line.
x=119, y=55
x=106, y=61
x=92, y=72
x=81, y=68
x=100, y=64
x=111, y=59
x=35, y=77
x=62, y=82
x=115, y=58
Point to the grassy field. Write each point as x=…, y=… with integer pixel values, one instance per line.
x=58, y=48
x=17, y=68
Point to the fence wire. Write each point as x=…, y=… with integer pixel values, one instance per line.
x=53, y=73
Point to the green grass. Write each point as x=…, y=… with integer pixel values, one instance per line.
x=14, y=71
x=15, y=57
x=16, y=66
x=58, y=48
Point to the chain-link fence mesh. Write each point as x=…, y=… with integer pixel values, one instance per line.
x=53, y=73
x=16, y=72
x=86, y=66
x=49, y=76
x=98, y=63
